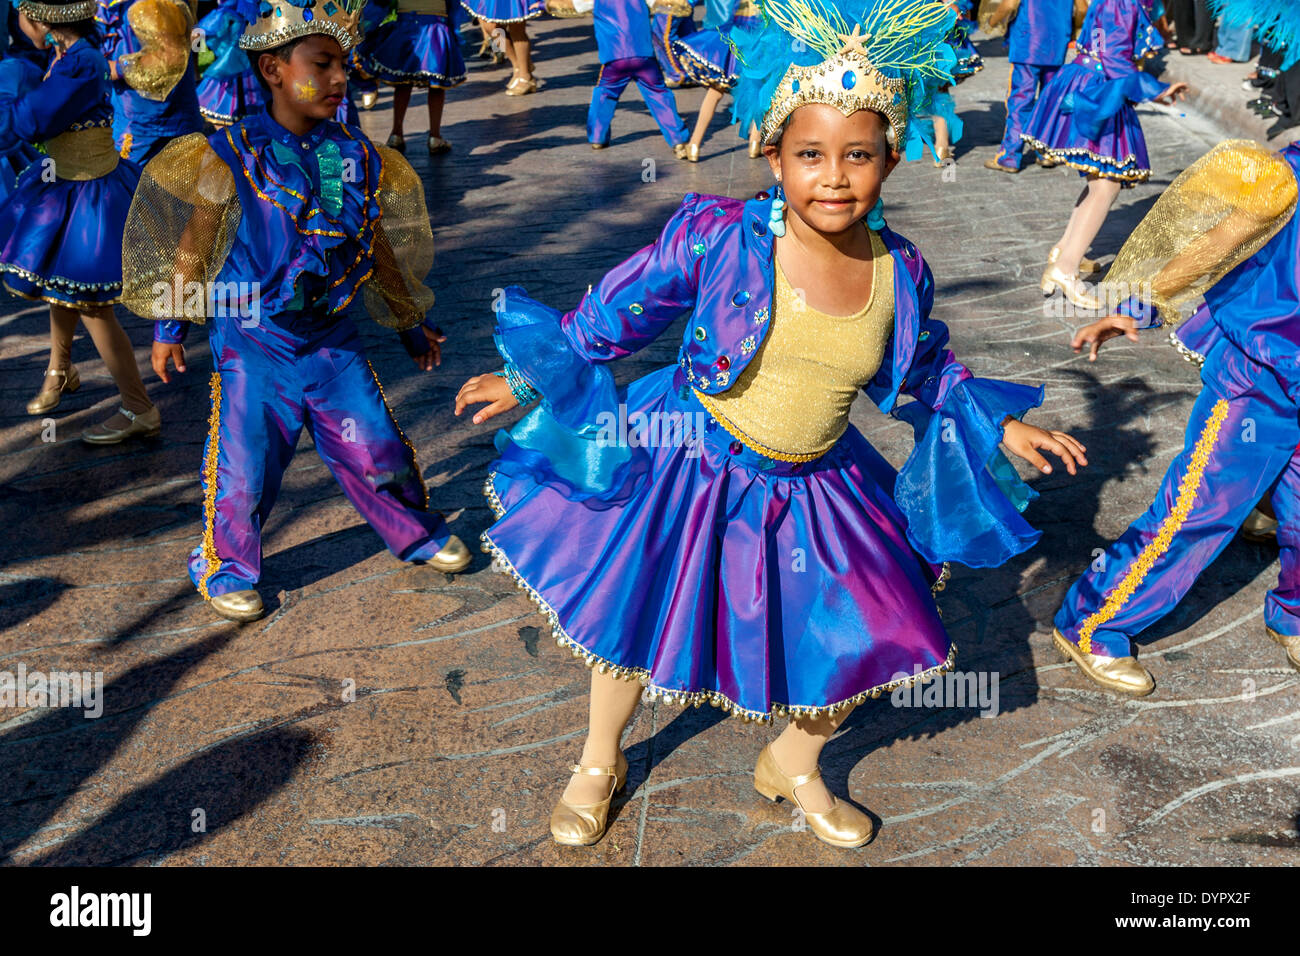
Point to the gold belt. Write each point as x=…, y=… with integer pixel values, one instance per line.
x=83, y=153
x=674, y=8
x=746, y=8
x=437, y=8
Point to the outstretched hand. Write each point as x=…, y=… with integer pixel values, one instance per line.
x=1176, y=91
x=1024, y=441
x=162, y=353
x=1103, y=330
x=490, y=388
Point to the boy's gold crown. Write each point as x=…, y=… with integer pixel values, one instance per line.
x=848, y=81
x=283, y=20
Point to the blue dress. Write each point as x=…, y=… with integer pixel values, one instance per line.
x=61, y=234
x=420, y=47
x=705, y=56
x=228, y=88
x=505, y=11
x=703, y=568
x=1085, y=117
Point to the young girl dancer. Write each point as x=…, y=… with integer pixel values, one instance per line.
x=709, y=60
x=271, y=228
x=511, y=16
x=1085, y=119
x=61, y=229
x=419, y=48
x=228, y=89
x=762, y=557
x=946, y=129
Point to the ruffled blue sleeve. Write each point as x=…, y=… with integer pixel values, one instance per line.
x=569, y=441
x=962, y=498
x=1093, y=106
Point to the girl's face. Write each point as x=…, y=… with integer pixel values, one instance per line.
x=832, y=166
x=313, y=80
x=34, y=30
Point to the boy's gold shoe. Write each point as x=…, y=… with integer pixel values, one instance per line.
x=1292, y=644
x=1259, y=527
x=453, y=557
x=58, y=381
x=842, y=825
x=238, y=605
x=584, y=824
x=1123, y=675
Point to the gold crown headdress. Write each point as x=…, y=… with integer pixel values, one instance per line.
x=58, y=12
x=280, y=21
x=881, y=55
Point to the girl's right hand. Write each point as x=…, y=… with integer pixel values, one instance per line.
x=162, y=353
x=1175, y=92
x=490, y=388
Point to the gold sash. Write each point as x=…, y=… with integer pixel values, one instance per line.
x=83, y=153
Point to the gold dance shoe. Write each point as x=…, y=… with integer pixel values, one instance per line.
x=145, y=425
x=679, y=150
x=521, y=86
x=1292, y=644
x=1087, y=266
x=755, y=148
x=453, y=557
x=1259, y=527
x=396, y=141
x=842, y=825
x=945, y=157
x=369, y=99
x=692, y=152
x=995, y=165
x=598, y=145
x=438, y=145
x=58, y=381
x=1124, y=675
x=1071, y=287
x=574, y=825
x=238, y=605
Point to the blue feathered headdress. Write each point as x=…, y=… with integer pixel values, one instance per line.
x=884, y=55
x=1276, y=23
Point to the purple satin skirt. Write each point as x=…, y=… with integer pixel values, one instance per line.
x=764, y=587
x=226, y=100
x=61, y=241
x=418, y=49
x=707, y=58
x=505, y=11
x=1120, y=152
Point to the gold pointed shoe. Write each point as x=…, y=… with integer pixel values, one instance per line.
x=1292, y=644
x=1087, y=266
x=453, y=557
x=58, y=382
x=1259, y=527
x=842, y=825
x=584, y=824
x=238, y=605
x=1072, y=287
x=692, y=152
x=145, y=425
x=1124, y=675
x=755, y=148
x=369, y=99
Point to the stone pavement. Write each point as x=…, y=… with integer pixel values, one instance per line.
x=465, y=716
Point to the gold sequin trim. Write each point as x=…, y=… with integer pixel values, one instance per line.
x=684, y=698
x=1063, y=156
x=211, y=561
x=415, y=463
x=1187, y=490
x=748, y=442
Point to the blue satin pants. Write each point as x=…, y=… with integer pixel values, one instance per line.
x=614, y=77
x=1023, y=87
x=272, y=379
x=1241, y=441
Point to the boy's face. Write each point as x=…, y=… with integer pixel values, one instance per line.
x=832, y=166
x=313, y=81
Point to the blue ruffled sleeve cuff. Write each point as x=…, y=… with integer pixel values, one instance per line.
x=170, y=331
x=1093, y=106
x=961, y=497
x=566, y=440
x=1143, y=314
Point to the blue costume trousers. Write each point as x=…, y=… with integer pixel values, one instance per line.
x=1023, y=86
x=1241, y=441
x=273, y=378
x=614, y=77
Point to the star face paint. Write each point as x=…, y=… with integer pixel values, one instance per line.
x=306, y=92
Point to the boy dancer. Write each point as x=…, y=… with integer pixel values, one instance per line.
x=290, y=213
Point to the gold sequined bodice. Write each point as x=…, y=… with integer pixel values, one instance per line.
x=792, y=401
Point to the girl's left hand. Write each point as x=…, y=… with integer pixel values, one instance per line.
x=1176, y=92
x=433, y=356
x=1025, y=440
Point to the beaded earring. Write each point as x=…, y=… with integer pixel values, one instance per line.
x=776, y=218
x=876, y=218
x=49, y=39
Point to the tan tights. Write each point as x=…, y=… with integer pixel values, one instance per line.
x=613, y=701
x=113, y=347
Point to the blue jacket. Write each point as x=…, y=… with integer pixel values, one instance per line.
x=1039, y=34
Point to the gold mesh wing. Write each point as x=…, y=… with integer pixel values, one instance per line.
x=994, y=16
x=395, y=294
x=163, y=29
x=179, y=231
x=1219, y=212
